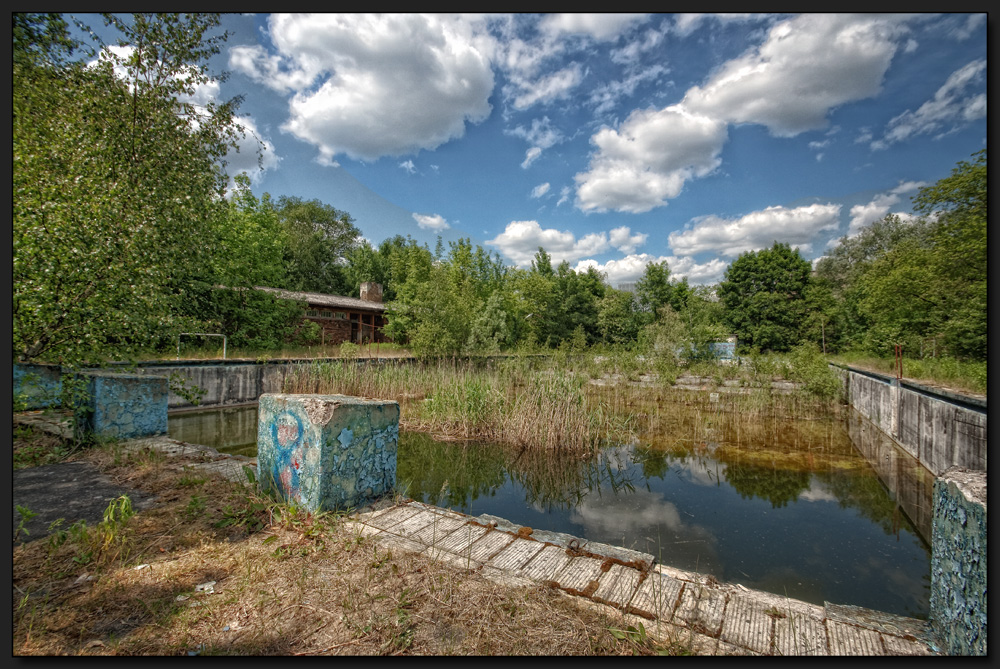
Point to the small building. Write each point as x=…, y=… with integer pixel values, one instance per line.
x=357, y=320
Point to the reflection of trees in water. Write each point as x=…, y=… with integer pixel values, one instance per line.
x=553, y=481
x=771, y=459
x=427, y=465
x=778, y=486
x=472, y=470
x=863, y=490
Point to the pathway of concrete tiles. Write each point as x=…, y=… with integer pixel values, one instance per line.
x=715, y=618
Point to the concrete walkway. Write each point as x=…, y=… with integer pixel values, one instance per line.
x=712, y=618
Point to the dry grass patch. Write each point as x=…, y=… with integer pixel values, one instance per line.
x=216, y=569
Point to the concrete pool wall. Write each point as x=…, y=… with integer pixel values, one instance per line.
x=939, y=428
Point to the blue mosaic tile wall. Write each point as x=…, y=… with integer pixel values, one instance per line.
x=958, y=562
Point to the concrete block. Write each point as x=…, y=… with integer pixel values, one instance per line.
x=327, y=452
x=747, y=624
x=580, y=575
x=413, y=525
x=546, y=564
x=437, y=530
x=489, y=545
x=617, y=586
x=657, y=596
x=796, y=634
x=516, y=555
x=37, y=386
x=958, y=562
x=851, y=640
x=385, y=519
x=708, y=615
x=460, y=541
x=121, y=406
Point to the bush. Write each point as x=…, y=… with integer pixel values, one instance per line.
x=808, y=366
x=308, y=333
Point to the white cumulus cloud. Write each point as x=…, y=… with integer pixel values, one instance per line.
x=632, y=266
x=601, y=27
x=375, y=85
x=807, y=66
x=431, y=222
x=245, y=159
x=540, y=135
x=862, y=215
x=796, y=227
x=530, y=156
x=520, y=241
x=622, y=239
x=554, y=86
x=953, y=105
x=648, y=159
x=540, y=190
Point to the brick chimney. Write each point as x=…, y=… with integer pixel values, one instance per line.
x=371, y=292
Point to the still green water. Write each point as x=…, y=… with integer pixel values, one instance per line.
x=789, y=507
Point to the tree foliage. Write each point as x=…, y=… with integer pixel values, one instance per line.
x=654, y=289
x=116, y=173
x=123, y=235
x=763, y=295
x=320, y=238
x=917, y=282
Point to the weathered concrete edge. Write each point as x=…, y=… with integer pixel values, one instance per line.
x=889, y=625
x=967, y=401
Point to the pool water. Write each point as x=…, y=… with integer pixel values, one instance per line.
x=789, y=507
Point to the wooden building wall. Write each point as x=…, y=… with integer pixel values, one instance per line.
x=357, y=326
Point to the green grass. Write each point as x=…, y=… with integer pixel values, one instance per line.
x=948, y=372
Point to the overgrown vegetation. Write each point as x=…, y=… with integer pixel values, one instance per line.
x=109, y=263
x=969, y=376
x=249, y=576
x=570, y=402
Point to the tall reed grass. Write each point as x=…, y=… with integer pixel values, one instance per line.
x=509, y=402
x=552, y=405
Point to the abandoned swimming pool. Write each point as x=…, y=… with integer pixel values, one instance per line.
x=796, y=511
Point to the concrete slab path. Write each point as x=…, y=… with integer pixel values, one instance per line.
x=717, y=618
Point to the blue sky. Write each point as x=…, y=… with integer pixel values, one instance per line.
x=612, y=140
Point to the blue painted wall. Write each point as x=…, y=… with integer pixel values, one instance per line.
x=122, y=406
x=37, y=386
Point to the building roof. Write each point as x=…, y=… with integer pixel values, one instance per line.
x=324, y=300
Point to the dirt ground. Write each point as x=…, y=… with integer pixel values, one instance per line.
x=203, y=566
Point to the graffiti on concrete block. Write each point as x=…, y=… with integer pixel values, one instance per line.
x=287, y=434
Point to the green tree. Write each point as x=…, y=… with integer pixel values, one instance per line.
x=763, y=295
x=617, y=318
x=492, y=330
x=115, y=180
x=320, y=241
x=654, y=289
x=575, y=305
x=41, y=39
x=248, y=250
x=958, y=205
x=905, y=281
